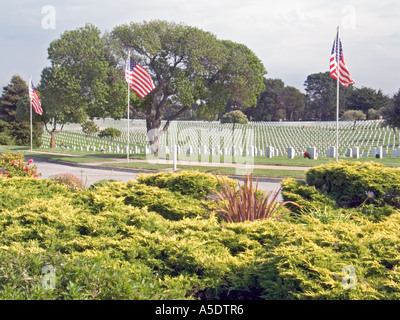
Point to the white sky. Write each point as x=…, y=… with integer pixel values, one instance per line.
x=292, y=38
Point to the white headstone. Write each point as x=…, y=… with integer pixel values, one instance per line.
x=313, y=152
x=331, y=152
x=174, y=157
x=270, y=152
x=378, y=152
x=356, y=152
x=290, y=153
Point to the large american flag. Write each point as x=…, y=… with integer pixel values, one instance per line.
x=337, y=58
x=35, y=101
x=138, y=78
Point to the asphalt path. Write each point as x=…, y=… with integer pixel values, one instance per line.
x=90, y=173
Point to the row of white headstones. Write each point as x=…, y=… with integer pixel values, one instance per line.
x=189, y=134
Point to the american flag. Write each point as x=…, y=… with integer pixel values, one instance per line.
x=138, y=78
x=337, y=56
x=35, y=101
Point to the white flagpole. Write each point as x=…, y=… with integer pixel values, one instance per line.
x=30, y=106
x=129, y=91
x=337, y=93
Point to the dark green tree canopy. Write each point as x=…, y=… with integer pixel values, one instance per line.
x=391, y=113
x=83, y=80
x=321, y=93
x=276, y=102
x=189, y=67
x=14, y=113
x=12, y=94
x=365, y=99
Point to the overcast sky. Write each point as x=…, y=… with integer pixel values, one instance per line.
x=292, y=38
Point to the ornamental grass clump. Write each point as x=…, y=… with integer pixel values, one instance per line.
x=247, y=203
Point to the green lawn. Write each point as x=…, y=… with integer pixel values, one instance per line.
x=75, y=156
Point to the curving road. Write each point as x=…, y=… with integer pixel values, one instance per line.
x=92, y=173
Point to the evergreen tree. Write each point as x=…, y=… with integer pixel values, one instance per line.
x=12, y=93
x=14, y=114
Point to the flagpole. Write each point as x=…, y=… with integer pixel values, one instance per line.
x=337, y=93
x=129, y=91
x=30, y=107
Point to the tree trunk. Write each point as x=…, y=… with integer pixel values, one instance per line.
x=153, y=134
x=396, y=136
x=53, y=140
x=53, y=133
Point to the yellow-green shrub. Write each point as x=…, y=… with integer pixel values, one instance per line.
x=103, y=248
x=190, y=183
x=348, y=182
x=306, y=196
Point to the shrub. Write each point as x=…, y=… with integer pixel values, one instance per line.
x=105, y=249
x=6, y=140
x=190, y=183
x=235, y=116
x=306, y=196
x=348, y=182
x=102, y=183
x=111, y=133
x=14, y=165
x=171, y=205
x=69, y=180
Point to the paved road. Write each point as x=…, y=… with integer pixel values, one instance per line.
x=90, y=173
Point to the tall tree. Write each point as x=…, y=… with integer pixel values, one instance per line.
x=321, y=97
x=269, y=104
x=190, y=68
x=14, y=113
x=365, y=99
x=293, y=102
x=12, y=93
x=276, y=102
x=391, y=114
x=83, y=80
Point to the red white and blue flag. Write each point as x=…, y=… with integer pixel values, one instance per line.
x=138, y=78
x=337, y=64
x=35, y=101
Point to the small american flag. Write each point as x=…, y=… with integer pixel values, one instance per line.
x=337, y=58
x=138, y=78
x=35, y=101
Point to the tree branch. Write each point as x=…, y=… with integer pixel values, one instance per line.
x=173, y=117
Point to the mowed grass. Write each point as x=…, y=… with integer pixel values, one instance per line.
x=138, y=161
x=272, y=173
